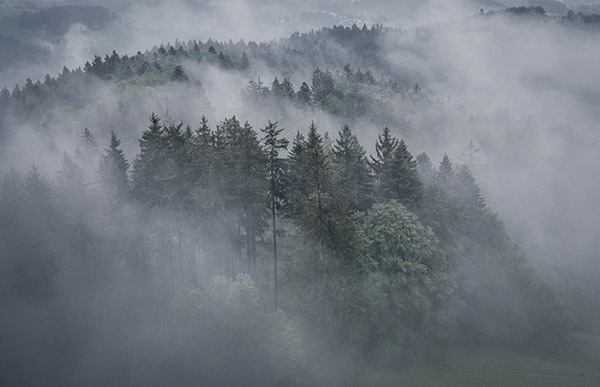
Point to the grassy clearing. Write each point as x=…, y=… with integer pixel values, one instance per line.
x=576, y=363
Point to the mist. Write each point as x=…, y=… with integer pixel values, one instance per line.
x=164, y=271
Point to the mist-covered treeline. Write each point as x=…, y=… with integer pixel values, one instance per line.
x=162, y=269
x=236, y=252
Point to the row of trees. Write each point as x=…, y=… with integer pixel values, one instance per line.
x=380, y=256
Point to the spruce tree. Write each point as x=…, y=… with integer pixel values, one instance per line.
x=305, y=95
x=350, y=161
x=468, y=191
x=425, y=168
x=295, y=165
x=148, y=167
x=314, y=197
x=446, y=171
x=112, y=172
x=382, y=163
x=406, y=185
x=277, y=184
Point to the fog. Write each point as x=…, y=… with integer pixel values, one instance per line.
x=524, y=90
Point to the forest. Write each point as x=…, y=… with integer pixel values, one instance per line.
x=311, y=210
x=380, y=257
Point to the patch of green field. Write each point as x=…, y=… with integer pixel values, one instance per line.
x=575, y=363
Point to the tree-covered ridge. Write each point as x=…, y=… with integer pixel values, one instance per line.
x=380, y=257
x=345, y=92
x=572, y=17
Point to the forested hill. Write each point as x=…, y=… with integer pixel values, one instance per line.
x=360, y=76
x=377, y=259
x=278, y=213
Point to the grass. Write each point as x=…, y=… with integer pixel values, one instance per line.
x=575, y=363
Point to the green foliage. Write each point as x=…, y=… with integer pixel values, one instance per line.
x=413, y=278
x=112, y=172
x=396, y=170
x=349, y=158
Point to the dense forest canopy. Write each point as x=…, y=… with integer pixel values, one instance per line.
x=286, y=212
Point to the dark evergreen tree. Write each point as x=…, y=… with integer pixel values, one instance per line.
x=322, y=86
x=295, y=165
x=405, y=183
x=425, y=168
x=382, y=163
x=468, y=191
x=351, y=162
x=305, y=94
x=112, y=173
x=277, y=187
x=288, y=88
x=277, y=88
x=179, y=75
x=149, y=166
x=446, y=171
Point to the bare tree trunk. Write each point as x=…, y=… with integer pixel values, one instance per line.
x=275, y=285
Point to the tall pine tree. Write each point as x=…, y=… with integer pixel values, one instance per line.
x=277, y=186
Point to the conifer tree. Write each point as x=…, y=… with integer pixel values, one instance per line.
x=425, y=168
x=322, y=86
x=277, y=195
x=112, y=172
x=252, y=174
x=351, y=162
x=314, y=197
x=148, y=167
x=446, y=171
x=175, y=164
x=295, y=165
x=406, y=185
x=288, y=88
x=277, y=88
x=304, y=94
x=468, y=191
x=382, y=163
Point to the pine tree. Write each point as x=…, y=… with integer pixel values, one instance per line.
x=314, y=197
x=468, y=191
x=252, y=174
x=148, y=167
x=173, y=178
x=382, y=164
x=351, y=162
x=277, y=183
x=322, y=86
x=406, y=184
x=425, y=168
x=288, y=88
x=295, y=165
x=446, y=171
x=277, y=88
x=305, y=95
x=112, y=172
